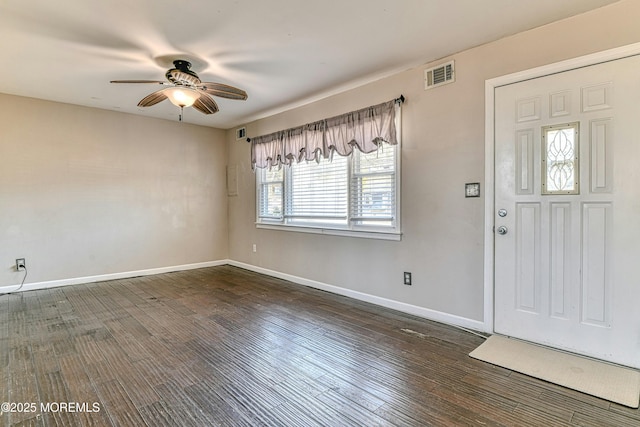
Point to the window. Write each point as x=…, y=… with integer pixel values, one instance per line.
x=373, y=187
x=338, y=175
x=356, y=193
x=317, y=193
x=560, y=167
x=270, y=195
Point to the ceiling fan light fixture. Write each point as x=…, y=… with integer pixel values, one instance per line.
x=182, y=97
x=187, y=90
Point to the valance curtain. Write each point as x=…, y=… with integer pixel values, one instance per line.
x=363, y=129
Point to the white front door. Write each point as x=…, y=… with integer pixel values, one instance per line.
x=567, y=210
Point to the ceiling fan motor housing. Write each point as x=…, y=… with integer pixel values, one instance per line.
x=182, y=74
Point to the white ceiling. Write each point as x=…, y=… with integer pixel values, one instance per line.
x=283, y=53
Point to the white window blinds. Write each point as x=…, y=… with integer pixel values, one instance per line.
x=317, y=192
x=373, y=187
x=358, y=192
x=270, y=195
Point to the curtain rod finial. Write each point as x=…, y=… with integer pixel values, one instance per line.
x=248, y=139
x=401, y=99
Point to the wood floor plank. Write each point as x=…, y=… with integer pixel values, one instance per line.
x=23, y=384
x=352, y=392
x=53, y=391
x=357, y=414
x=536, y=416
x=118, y=405
x=602, y=420
x=159, y=415
x=151, y=371
x=182, y=407
x=132, y=381
x=633, y=414
x=33, y=421
x=396, y=417
x=81, y=390
x=100, y=372
x=229, y=347
x=212, y=401
x=317, y=411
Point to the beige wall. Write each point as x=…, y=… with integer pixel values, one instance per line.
x=443, y=147
x=87, y=192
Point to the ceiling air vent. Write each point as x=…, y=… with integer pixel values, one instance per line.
x=241, y=133
x=440, y=75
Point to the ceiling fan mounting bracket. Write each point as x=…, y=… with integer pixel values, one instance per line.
x=182, y=65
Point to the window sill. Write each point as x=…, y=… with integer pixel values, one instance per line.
x=363, y=234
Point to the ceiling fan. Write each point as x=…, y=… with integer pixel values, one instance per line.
x=185, y=89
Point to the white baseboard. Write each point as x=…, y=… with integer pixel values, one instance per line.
x=426, y=313
x=111, y=276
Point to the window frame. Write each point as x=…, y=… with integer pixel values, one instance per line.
x=352, y=228
x=544, y=163
x=260, y=215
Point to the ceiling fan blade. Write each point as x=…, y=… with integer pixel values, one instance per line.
x=222, y=90
x=138, y=81
x=205, y=104
x=153, y=98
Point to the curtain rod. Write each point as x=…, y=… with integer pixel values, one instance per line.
x=398, y=100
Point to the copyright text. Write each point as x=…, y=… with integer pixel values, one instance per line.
x=24, y=407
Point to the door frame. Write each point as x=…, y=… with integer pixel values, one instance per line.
x=489, y=152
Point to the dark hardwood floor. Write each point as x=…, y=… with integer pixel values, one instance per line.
x=224, y=346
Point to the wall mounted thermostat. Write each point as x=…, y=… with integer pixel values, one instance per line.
x=472, y=189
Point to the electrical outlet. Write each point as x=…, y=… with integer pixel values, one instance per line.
x=255, y=248
x=20, y=264
x=407, y=278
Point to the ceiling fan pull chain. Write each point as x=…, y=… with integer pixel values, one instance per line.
x=181, y=111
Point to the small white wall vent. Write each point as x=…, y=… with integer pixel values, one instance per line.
x=440, y=75
x=241, y=133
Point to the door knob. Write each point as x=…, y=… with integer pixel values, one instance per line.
x=502, y=230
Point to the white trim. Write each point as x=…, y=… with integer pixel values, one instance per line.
x=110, y=276
x=426, y=313
x=333, y=231
x=399, y=134
x=489, y=203
x=490, y=85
